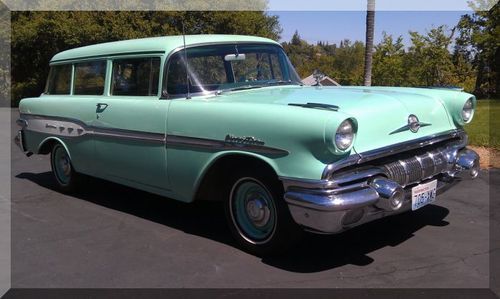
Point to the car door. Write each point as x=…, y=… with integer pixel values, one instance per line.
x=130, y=126
x=68, y=116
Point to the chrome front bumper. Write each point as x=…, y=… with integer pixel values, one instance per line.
x=363, y=193
x=19, y=139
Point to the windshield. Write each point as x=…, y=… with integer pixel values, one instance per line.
x=220, y=68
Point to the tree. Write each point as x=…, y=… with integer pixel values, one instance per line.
x=5, y=55
x=429, y=59
x=479, y=34
x=388, y=62
x=296, y=40
x=37, y=36
x=343, y=63
x=301, y=54
x=370, y=27
x=348, y=63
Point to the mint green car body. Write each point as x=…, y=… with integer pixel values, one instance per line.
x=301, y=138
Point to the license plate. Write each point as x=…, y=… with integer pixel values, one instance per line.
x=423, y=194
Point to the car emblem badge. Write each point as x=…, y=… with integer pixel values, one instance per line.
x=413, y=125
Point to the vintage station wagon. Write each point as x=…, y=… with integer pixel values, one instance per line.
x=225, y=117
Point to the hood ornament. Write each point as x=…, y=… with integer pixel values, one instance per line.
x=318, y=76
x=413, y=125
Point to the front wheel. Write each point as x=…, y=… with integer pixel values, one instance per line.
x=258, y=216
x=65, y=175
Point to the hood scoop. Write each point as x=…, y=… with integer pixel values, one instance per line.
x=316, y=106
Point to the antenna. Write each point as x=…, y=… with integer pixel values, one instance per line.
x=188, y=95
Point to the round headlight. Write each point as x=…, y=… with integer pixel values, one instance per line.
x=344, y=135
x=467, y=110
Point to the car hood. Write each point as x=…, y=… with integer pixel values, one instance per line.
x=381, y=113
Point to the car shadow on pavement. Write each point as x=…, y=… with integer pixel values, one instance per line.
x=323, y=252
x=201, y=218
x=206, y=219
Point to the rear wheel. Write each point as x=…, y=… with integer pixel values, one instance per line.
x=65, y=175
x=258, y=216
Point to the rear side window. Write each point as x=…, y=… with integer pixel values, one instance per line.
x=136, y=77
x=89, y=78
x=59, y=81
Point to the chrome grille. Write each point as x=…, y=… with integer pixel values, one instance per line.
x=427, y=164
x=396, y=172
x=415, y=169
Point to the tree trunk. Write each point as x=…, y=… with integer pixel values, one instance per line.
x=370, y=26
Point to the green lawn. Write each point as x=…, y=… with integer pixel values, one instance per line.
x=484, y=130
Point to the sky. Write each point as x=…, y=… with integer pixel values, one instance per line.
x=382, y=5
x=334, y=26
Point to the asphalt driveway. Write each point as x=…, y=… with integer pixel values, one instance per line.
x=113, y=236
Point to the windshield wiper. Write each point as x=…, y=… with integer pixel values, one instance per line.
x=280, y=82
x=316, y=105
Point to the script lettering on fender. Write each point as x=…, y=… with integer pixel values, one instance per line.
x=244, y=140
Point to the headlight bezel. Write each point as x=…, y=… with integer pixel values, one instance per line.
x=345, y=132
x=467, y=112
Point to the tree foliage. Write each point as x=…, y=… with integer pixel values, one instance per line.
x=429, y=59
x=479, y=44
x=342, y=62
x=389, y=62
x=37, y=36
x=433, y=58
x=467, y=55
x=137, y=5
x=5, y=55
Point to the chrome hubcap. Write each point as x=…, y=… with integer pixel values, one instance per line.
x=252, y=210
x=61, y=165
x=65, y=166
x=258, y=212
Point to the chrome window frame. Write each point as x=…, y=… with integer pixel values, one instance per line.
x=105, y=87
x=108, y=58
x=127, y=56
x=166, y=96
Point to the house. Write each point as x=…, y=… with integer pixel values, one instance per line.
x=325, y=81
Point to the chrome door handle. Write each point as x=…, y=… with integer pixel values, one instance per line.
x=101, y=107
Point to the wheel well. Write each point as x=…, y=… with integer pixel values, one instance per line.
x=47, y=146
x=212, y=185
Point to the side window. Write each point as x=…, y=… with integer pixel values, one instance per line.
x=59, y=81
x=176, y=76
x=89, y=78
x=136, y=77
